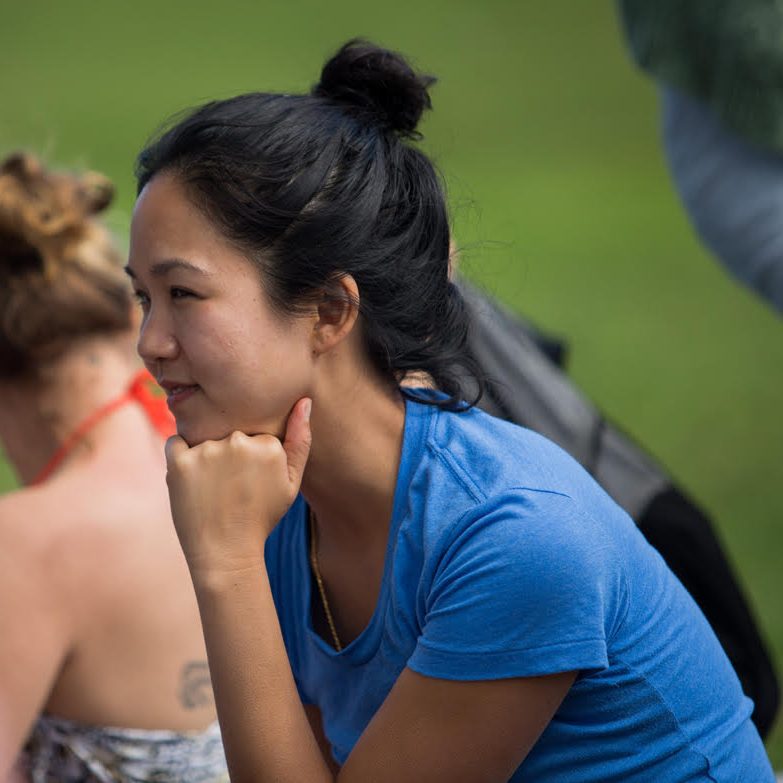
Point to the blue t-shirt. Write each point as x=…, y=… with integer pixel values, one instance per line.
x=506, y=559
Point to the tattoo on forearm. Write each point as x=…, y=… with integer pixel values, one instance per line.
x=195, y=687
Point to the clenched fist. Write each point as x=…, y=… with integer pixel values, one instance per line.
x=228, y=495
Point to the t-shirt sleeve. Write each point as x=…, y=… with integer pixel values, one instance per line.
x=525, y=585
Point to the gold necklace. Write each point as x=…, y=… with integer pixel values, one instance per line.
x=320, y=582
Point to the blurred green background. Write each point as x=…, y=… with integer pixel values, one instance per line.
x=548, y=139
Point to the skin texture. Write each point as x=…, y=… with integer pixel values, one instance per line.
x=323, y=423
x=97, y=614
x=234, y=333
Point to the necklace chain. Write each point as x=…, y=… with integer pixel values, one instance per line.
x=320, y=582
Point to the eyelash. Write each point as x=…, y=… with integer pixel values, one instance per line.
x=175, y=292
x=141, y=298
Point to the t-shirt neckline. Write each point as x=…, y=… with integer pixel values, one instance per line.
x=418, y=418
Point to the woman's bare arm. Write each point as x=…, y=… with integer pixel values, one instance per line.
x=426, y=730
x=34, y=633
x=430, y=730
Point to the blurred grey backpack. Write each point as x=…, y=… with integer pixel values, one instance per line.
x=526, y=384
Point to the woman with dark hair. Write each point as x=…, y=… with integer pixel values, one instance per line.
x=424, y=591
x=103, y=673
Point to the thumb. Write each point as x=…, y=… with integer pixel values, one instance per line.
x=298, y=439
x=175, y=447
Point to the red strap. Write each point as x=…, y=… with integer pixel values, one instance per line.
x=149, y=395
x=141, y=391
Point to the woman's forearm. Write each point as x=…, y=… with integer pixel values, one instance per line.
x=266, y=733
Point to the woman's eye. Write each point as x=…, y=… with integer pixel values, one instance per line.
x=180, y=293
x=141, y=298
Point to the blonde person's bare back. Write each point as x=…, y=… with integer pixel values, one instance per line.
x=103, y=673
x=97, y=613
x=113, y=550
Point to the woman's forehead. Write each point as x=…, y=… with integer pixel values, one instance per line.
x=170, y=234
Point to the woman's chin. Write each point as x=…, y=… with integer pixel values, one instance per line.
x=195, y=434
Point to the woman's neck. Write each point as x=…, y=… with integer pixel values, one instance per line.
x=352, y=470
x=37, y=416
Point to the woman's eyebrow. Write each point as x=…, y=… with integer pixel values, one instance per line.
x=162, y=268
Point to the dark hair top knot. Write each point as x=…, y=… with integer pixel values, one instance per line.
x=378, y=84
x=315, y=187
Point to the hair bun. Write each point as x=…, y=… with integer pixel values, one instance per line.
x=42, y=212
x=96, y=192
x=379, y=83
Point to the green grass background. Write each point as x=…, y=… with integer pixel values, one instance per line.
x=549, y=143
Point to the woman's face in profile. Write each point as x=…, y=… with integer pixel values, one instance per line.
x=226, y=359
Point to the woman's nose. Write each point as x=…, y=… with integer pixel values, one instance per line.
x=156, y=339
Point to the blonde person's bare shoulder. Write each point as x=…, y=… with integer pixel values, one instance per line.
x=37, y=589
x=29, y=519
x=41, y=530
x=70, y=528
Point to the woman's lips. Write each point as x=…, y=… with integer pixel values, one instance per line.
x=178, y=394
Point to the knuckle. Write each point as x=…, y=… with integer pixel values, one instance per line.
x=241, y=444
x=210, y=449
x=271, y=447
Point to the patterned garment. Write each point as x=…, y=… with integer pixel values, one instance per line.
x=64, y=751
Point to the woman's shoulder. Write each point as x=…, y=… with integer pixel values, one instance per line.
x=44, y=551
x=65, y=531
x=65, y=508
x=489, y=456
x=31, y=519
x=484, y=482
x=39, y=603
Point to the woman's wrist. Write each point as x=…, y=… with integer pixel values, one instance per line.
x=219, y=576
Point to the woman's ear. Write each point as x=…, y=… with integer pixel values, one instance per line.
x=337, y=314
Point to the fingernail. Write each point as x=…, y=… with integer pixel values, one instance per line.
x=308, y=406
